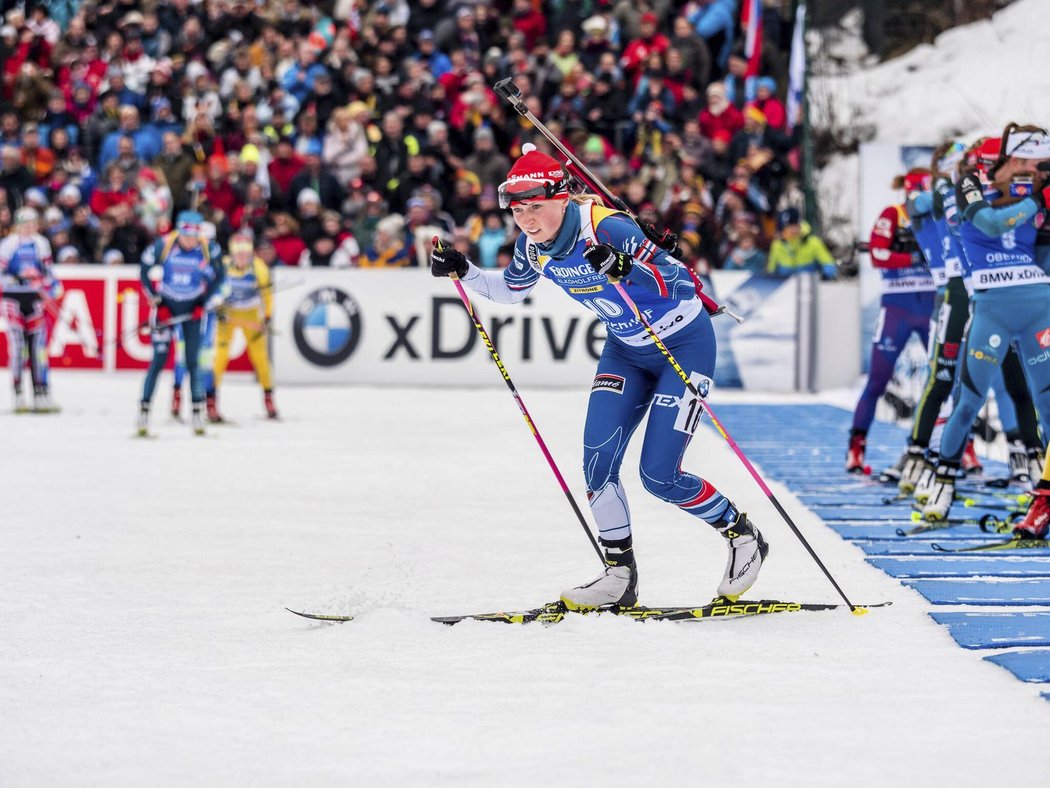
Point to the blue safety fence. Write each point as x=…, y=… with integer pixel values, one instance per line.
x=804, y=448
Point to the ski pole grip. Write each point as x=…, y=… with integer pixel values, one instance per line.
x=506, y=89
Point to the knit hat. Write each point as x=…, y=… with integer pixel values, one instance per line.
x=534, y=176
x=788, y=217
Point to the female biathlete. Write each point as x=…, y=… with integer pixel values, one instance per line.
x=1011, y=301
x=907, y=299
x=935, y=217
x=583, y=247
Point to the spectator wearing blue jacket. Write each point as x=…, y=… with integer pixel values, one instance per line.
x=298, y=80
x=437, y=61
x=715, y=22
x=146, y=138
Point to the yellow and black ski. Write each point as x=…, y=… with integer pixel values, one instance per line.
x=553, y=612
x=1009, y=544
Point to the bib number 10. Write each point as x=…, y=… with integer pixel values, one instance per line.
x=604, y=307
x=690, y=408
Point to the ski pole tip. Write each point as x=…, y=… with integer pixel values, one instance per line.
x=859, y=611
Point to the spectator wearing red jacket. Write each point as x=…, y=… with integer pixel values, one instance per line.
x=218, y=190
x=529, y=21
x=285, y=166
x=719, y=115
x=638, y=50
x=114, y=191
x=766, y=100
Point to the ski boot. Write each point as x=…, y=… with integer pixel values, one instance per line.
x=911, y=470
x=142, y=425
x=42, y=401
x=942, y=493
x=197, y=420
x=213, y=410
x=20, y=400
x=927, y=478
x=971, y=464
x=176, y=403
x=271, y=409
x=1019, y=463
x=616, y=586
x=1036, y=522
x=747, y=551
x=855, y=454
x=1036, y=460
x=893, y=473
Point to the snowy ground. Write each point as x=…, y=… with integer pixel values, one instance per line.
x=144, y=640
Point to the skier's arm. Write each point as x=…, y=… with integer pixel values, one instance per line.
x=262, y=276
x=920, y=205
x=149, y=259
x=509, y=286
x=993, y=222
x=217, y=274
x=882, y=256
x=652, y=267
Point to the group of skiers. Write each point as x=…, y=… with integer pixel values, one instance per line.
x=964, y=263
x=199, y=300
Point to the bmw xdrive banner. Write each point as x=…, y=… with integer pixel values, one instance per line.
x=406, y=327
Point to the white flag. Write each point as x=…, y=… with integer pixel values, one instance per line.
x=797, y=67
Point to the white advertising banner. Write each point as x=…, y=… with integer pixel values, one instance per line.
x=405, y=327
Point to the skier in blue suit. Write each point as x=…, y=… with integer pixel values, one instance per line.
x=191, y=272
x=1011, y=301
x=583, y=247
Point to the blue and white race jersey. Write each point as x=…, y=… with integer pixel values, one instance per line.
x=25, y=263
x=999, y=242
x=187, y=274
x=660, y=285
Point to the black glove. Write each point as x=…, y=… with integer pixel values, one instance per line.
x=608, y=260
x=665, y=239
x=446, y=260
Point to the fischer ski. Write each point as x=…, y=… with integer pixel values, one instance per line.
x=1009, y=544
x=989, y=523
x=321, y=616
x=554, y=612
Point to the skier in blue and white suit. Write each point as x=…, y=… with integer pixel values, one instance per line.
x=582, y=247
x=1011, y=301
x=191, y=272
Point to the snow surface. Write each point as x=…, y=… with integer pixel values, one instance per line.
x=144, y=640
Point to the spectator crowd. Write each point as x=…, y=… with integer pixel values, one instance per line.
x=349, y=132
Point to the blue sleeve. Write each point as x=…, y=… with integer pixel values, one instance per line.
x=520, y=275
x=920, y=205
x=1042, y=257
x=218, y=272
x=149, y=259
x=714, y=20
x=994, y=222
x=654, y=269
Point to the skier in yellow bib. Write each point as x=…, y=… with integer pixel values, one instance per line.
x=248, y=307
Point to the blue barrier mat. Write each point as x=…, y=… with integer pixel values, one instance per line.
x=919, y=567
x=983, y=592
x=872, y=514
x=961, y=536
x=896, y=514
x=1031, y=665
x=996, y=630
x=911, y=546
